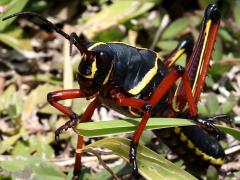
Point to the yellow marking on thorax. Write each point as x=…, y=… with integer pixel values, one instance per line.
x=141, y=48
x=108, y=75
x=176, y=56
x=95, y=45
x=94, y=64
x=93, y=70
x=146, y=79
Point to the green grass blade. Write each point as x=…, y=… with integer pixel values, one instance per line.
x=113, y=15
x=151, y=165
x=102, y=128
x=15, y=6
x=232, y=131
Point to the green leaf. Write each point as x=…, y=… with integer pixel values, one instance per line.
x=236, y=10
x=5, y=2
x=232, y=131
x=15, y=6
x=101, y=128
x=151, y=165
x=226, y=36
x=44, y=170
x=167, y=45
x=35, y=166
x=217, y=53
x=212, y=104
x=209, y=80
x=10, y=41
x=39, y=5
x=21, y=148
x=119, y=170
x=16, y=164
x=227, y=107
x=219, y=69
x=44, y=150
x=117, y=13
x=175, y=28
x=38, y=97
x=13, y=38
x=212, y=173
x=8, y=143
x=202, y=109
x=6, y=97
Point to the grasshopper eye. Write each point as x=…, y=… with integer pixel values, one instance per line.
x=103, y=57
x=91, y=56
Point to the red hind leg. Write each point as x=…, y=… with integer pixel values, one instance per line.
x=85, y=117
x=146, y=106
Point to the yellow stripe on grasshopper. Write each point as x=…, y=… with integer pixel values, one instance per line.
x=93, y=70
x=208, y=26
x=176, y=56
x=197, y=151
x=108, y=75
x=206, y=33
x=146, y=79
x=94, y=64
x=95, y=45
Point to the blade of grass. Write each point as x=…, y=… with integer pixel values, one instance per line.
x=103, y=128
x=15, y=6
x=151, y=165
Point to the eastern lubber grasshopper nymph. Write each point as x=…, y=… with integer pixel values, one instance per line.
x=137, y=83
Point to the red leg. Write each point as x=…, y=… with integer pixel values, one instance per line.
x=78, y=158
x=54, y=97
x=189, y=89
x=141, y=104
x=85, y=117
x=198, y=64
x=165, y=85
x=189, y=96
x=135, y=140
x=163, y=88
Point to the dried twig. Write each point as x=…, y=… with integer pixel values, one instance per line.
x=97, y=154
x=161, y=27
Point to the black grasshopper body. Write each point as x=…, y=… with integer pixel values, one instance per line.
x=129, y=67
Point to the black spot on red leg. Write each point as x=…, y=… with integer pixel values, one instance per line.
x=180, y=69
x=133, y=159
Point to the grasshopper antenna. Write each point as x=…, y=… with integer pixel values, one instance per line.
x=71, y=38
